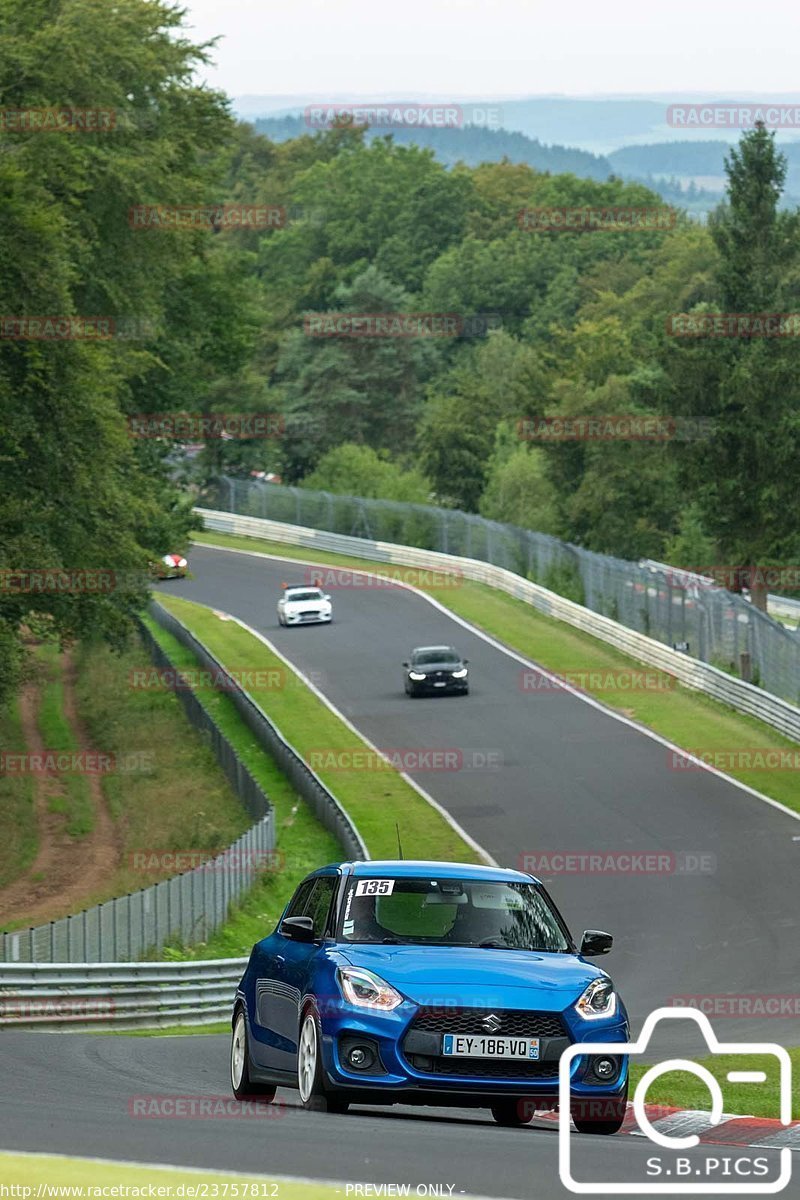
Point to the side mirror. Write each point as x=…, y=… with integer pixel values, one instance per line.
x=595, y=942
x=465, y=661
x=325, y=596
x=405, y=664
x=299, y=929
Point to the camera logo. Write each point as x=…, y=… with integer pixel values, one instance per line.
x=692, y=1186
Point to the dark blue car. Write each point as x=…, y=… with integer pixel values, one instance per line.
x=429, y=983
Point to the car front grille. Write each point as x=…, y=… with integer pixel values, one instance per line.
x=484, y=1068
x=513, y=1022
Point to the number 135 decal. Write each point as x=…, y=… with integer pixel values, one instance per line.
x=374, y=887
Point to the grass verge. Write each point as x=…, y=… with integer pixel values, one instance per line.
x=687, y=718
x=26, y=1173
x=682, y=1090
x=19, y=842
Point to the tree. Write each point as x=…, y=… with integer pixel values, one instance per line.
x=75, y=494
x=353, y=470
x=744, y=479
x=361, y=389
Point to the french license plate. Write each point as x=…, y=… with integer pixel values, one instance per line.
x=460, y=1045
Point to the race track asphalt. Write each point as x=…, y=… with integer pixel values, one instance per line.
x=539, y=770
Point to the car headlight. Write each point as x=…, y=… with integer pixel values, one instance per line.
x=599, y=1000
x=417, y=675
x=366, y=990
x=460, y=674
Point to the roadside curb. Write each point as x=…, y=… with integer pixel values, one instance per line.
x=762, y=1132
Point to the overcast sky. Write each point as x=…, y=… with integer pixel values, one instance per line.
x=500, y=47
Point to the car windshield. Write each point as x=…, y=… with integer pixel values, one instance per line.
x=451, y=912
x=435, y=654
x=311, y=594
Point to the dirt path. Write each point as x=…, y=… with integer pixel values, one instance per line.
x=65, y=872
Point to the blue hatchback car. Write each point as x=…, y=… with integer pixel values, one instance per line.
x=429, y=983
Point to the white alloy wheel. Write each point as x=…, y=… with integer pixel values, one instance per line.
x=238, y=1052
x=307, y=1058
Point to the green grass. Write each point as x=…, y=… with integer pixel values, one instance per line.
x=682, y=1090
x=19, y=842
x=75, y=802
x=46, y=1171
x=687, y=718
x=180, y=802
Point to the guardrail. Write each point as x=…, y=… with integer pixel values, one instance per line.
x=700, y=676
x=327, y=809
x=85, y=996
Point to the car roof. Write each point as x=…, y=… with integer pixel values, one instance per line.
x=401, y=868
x=302, y=587
x=429, y=649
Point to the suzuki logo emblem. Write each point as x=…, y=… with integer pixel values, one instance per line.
x=491, y=1023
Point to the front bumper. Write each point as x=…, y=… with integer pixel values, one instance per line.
x=434, y=687
x=321, y=618
x=408, y=1069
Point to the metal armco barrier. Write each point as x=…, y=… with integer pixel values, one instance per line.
x=700, y=676
x=82, y=996
x=327, y=809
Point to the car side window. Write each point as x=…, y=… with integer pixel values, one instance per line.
x=319, y=905
x=297, y=908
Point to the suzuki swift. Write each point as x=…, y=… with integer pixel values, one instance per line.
x=429, y=983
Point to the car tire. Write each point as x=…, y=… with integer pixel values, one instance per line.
x=512, y=1113
x=614, y=1109
x=242, y=1085
x=310, y=1074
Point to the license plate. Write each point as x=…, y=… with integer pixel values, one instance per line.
x=460, y=1045
x=442, y=684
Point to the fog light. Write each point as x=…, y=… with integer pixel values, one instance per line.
x=604, y=1068
x=360, y=1057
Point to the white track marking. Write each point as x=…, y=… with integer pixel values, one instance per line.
x=527, y=662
